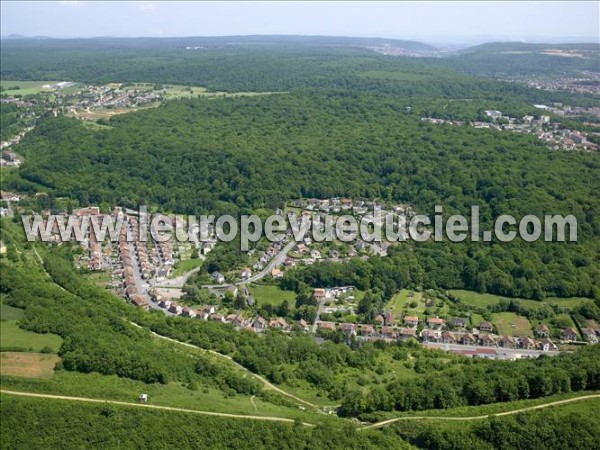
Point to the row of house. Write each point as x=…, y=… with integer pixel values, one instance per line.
x=429, y=335
x=208, y=312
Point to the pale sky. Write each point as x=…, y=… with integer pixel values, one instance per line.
x=510, y=20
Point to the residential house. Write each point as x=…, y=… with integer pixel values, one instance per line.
x=546, y=345
x=428, y=335
x=175, y=308
x=507, y=342
x=408, y=333
x=246, y=273
x=527, y=343
x=411, y=321
x=208, y=309
x=486, y=326
x=436, y=322
x=276, y=273
x=259, y=325
x=367, y=331
x=236, y=319
x=388, y=317
x=542, y=330
x=319, y=293
x=487, y=340
x=201, y=315
x=9, y=196
x=218, y=318
x=589, y=335
x=315, y=254
x=304, y=325
x=139, y=301
x=164, y=303
x=326, y=325
x=188, y=312
x=448, y=337
x=348, y=328
x=568, y=334
x=467, y=339
x=389, y=332
x=459, y=323
x=279, y=323
x=218, y=277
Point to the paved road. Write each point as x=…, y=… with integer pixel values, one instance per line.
x=277, y=260
x=485, y=416
x=263, y=380
x=318, y=316
x=142, y=405
x=177, y=282
x=503, y=353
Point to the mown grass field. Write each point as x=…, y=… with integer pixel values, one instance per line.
x=28, y=365
x=402, y=300
x=477, y=299
x=13, y=337
x=265, y=294
x=511, y=324
x=472, y=298
x=8, y=313
x=25, y=87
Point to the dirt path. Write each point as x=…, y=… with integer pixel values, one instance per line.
x=485, y=416
x=253, y=404
x=142, y=405
x=267, y=384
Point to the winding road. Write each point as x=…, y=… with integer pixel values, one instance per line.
x=143, y=405
x=484, y=416
x=283, y=419
x=264, y=381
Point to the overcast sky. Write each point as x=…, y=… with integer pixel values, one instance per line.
x=555, y=21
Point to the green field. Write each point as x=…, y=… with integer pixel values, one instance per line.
x=510, y=324
x=28, y=87
x=185, y=266
x=477, y=299
x=265, y=294
x=8, y=313
x=472, y=298
x=13, y=337
x=401, y=301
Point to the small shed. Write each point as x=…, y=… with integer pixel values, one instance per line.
x=143, y=398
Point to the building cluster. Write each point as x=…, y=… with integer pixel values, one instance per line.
x=436, y=330
x=109, y=96
x=257, y=324
x=10, y=158
x=587, y=83
x=556, y=136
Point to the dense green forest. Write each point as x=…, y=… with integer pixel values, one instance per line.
x=39, y=423
x=235, y=155
x=573, y=426
x=289, y=63
x=524, y=59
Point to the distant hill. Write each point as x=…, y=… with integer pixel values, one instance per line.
x=252, y=40
x=516, y=58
